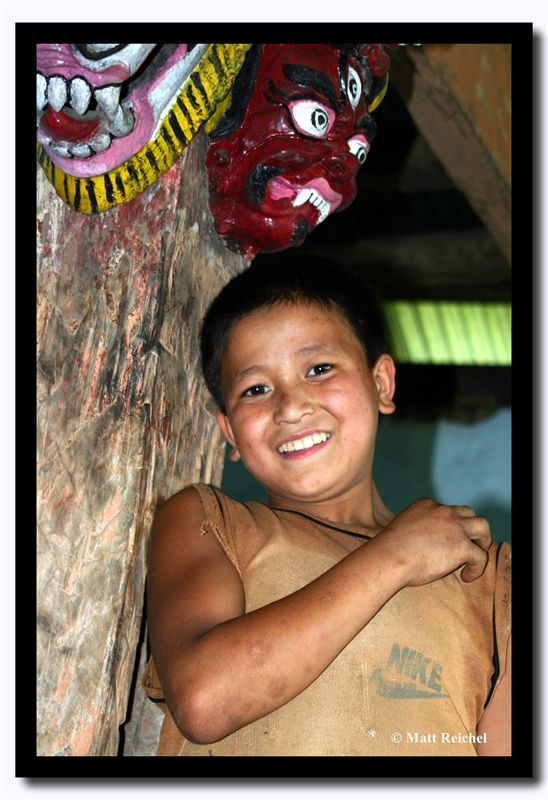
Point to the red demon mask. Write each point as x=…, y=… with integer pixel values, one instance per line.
x=293, y=158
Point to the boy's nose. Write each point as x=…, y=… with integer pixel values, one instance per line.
x=292, y=406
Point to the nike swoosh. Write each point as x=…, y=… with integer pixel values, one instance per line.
x=400, y=691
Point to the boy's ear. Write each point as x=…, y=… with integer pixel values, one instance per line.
x=224, y=425
x=384, y=373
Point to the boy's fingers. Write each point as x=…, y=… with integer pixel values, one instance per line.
x=474, y=568
x=479, y=532
x=477, y=528
x=464, y=511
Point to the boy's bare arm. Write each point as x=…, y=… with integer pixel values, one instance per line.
x=222, y=668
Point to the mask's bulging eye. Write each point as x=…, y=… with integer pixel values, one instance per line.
x=359, y=147
x=353, y=87
x=312, y=118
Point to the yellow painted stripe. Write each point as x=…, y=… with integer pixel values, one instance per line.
x=380, y=97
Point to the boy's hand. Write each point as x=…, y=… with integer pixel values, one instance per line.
x=431, y=540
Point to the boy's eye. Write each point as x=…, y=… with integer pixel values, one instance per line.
x=318, y=369
x=256, y=391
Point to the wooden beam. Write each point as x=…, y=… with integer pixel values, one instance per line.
x=442, y=265
x=459, y=97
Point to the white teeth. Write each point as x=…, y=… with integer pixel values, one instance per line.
x=80, y=95
x=77, y=93
x=41, y=86
x=109, y=100
x=61, y=150
x=101, y=142
x=81, y=150
x=57, y=93
x=122, y=123
x=305, y=443
x=302, y=197
x=313, y=197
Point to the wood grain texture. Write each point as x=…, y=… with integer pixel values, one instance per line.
x=123, y=422
x=467, y=127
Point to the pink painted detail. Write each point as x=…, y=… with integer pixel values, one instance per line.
x=281, y=188
x=124, y=147
x=58, y=59
x=362, y=140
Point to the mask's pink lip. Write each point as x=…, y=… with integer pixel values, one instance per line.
x=280, y=188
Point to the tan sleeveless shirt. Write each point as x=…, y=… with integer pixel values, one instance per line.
x=415, y=681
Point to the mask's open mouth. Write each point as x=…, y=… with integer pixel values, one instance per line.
x=317, y=192
x=112, y=118
x=83, y=113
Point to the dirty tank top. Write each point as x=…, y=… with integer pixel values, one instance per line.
x=415, y=681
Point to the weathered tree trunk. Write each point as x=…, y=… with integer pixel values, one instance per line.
x=123, y=422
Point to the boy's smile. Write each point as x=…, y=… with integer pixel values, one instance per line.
x=301, y=446
x=302, y=408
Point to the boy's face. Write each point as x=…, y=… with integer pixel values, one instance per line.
x=302, y=403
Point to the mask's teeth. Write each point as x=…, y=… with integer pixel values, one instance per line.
x=311, y=196
x=61, y=150
x=302, y=197
x=324, y=211
x=81, y=150
x=101, y=142
x=80, y=95
x=57, y=93
x=122, y=123
x=109, y=100
x=315, y=199
x=41, y=86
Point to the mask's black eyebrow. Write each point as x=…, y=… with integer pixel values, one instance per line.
x=308, y=76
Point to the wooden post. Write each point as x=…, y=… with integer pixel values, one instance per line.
x=123, y=422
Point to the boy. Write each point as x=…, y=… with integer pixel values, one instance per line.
x=319, y=624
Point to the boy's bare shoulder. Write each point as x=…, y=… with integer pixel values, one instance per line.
x=186, y=499
x=181, y=513
x=176, y=540
x=189, y=573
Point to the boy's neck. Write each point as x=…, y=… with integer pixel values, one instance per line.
x=361, y=509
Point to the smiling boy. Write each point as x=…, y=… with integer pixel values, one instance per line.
x=319, y=623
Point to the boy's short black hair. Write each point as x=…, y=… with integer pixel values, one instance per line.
x=285, y=277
